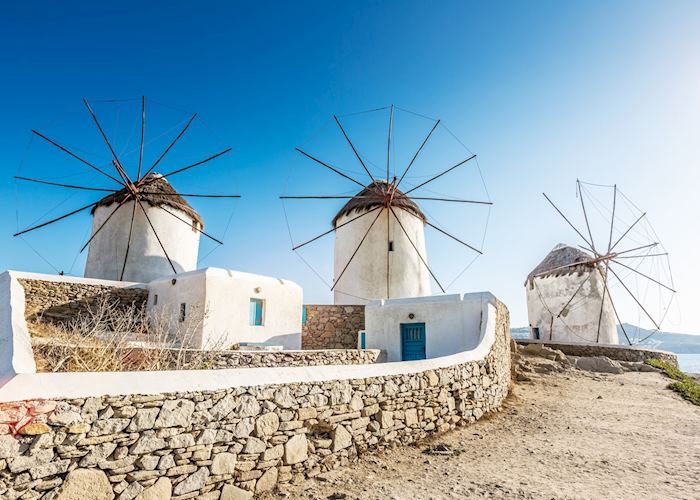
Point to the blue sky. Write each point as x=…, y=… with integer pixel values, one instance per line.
x=544, y=92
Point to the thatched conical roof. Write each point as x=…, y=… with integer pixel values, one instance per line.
x=374, y=196
x=562, y=255
x=157, y=192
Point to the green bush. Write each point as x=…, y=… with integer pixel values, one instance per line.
x=686, y=386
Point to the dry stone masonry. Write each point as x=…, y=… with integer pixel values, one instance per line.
x=250, y=359
x=63, y=301
x=331, y=326
x=234, y=443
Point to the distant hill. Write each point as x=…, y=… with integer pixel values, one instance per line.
x=679, y=343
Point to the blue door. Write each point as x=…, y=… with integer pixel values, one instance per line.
x=412, y=341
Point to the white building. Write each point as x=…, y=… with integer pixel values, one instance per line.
x=216, y=308
x=175, y=221
x=386, y=265
x=426, y=327
x=554, y=315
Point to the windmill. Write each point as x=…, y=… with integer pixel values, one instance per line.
x=619, y=266
x=141, y=215
x=380, y=242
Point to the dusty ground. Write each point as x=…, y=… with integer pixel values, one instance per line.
x=563, y=435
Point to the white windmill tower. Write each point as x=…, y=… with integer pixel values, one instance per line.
x=143, y=229
x=380, y=241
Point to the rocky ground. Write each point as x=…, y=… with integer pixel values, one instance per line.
x=565, y=432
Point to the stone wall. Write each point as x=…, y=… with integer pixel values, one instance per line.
x=63, y=300
x=250, y=359
x=617, y=352
x=332, y=327
x=244, y=440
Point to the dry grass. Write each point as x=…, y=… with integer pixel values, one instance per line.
x=111, y=337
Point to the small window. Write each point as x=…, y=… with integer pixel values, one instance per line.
x=536, y=332
x=183, y=312
x=155, y=299
x=256, y=312
x=391, y=246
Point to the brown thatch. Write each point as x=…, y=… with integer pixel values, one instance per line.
x=157, y=192
x=562, y=255
x=373, y=196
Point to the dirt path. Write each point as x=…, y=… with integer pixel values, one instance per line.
x=565, y=435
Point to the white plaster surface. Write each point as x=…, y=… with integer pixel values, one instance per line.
x=366, y=277
x=16, y=354
x=222, y=298
x=579, y=322
x=146, y=260
x=79, y=385
x=452, y=323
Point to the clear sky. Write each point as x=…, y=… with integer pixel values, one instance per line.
x=544, y=92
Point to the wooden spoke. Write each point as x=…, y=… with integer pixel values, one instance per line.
x=71, y=186
x=440, y=174
x=612, y=219
x=331, y=168
x=574, y=295
x=619, y=321
x=337, y=227
x=427, y=222
x=143, y=131
x=156, y=234
x=70, y=153
x=602, y=303
x=425, y=141
x=416, y=249
x=56, y=219
x=635, y=249
x=121, y=203
x=590, y=245
x=643, y=275
x=388, y=242
x=626, y=232
x=452, y=200
x=190, y=224
x=192, y=195
x=635, y=298
x=128, y=241
x=201, y=162
x=353, y=147
x=641, y=256
x=585, y=215
x=337, y=280
x=187, y=125
x=388, y=142
x=321, y=197
x=104, y=136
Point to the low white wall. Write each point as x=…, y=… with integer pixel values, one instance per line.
x=16, y=354
x=452, y=323
x=80, y=385
x=222, y=298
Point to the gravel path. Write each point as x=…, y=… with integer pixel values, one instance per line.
x=563, y=435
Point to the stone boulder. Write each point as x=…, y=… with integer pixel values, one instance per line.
x=81, y=481
x=599, y=364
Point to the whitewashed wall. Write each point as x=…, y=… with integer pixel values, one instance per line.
x=366, y=276
x=453, y=323
x=146, y=260
x=219, y=301
x=547, y=297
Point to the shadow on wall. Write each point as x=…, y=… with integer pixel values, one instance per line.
x=148, y=268
x=291, y=341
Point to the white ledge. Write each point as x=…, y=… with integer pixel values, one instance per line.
x=84, y=384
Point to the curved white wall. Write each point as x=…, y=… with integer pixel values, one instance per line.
x=146, y=260
x=366, y=277
x=580, y=322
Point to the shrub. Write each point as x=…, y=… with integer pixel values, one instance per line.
x=685, y=385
